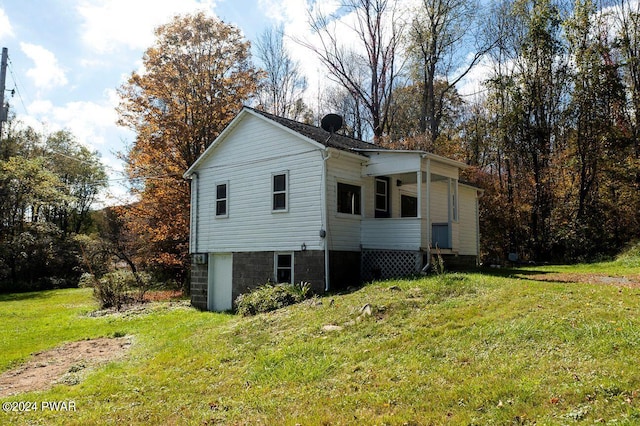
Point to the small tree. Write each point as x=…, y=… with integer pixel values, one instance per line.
x=368, y=72
x=283, y=84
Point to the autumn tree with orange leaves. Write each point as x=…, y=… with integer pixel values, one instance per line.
x=196, y=77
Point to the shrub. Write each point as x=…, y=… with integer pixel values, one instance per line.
x=117, y=288
x=270, y=297
x=87, y=280
x=631, y=255
x=300, y=290
x=111, y=290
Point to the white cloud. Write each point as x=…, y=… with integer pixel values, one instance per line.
x=6, y=30
x=111, y=24
x=40, y=107
x=86, y=120
x=472, y=84
x=284, y=10
x=90, y=122
x=46, y=72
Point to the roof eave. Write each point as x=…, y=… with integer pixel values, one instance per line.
x=424, y=154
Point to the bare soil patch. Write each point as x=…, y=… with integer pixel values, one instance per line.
x=64, y=364
x=162, y=295
x=632, y=281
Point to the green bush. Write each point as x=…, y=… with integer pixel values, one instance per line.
x=270, y=297
x=111, y=290
x=631, y=255
x=117, y=288
x=87, y=280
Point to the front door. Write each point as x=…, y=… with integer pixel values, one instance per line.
x=220, y=280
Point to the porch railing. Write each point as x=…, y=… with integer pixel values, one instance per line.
x=395, y=234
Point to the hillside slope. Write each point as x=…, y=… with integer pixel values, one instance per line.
x=453, y=349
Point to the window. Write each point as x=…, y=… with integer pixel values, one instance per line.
x=408, y=206
x=382, y=197
x=279, y=190
x=348, y=198
x=221, y=199
x=454, y=199
x=284, y=267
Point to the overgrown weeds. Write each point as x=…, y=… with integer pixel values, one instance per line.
x=118, y=288
x=270, y=297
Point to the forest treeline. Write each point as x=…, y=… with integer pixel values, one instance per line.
x=549, y=130
x=48, y=184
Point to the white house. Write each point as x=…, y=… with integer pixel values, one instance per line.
x=277, y=200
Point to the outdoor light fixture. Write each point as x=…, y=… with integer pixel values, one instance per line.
x=303, y=247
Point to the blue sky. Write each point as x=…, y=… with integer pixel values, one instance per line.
x=67, y=57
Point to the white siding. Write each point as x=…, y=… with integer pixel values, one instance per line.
x=444, y=170
x=247, y=159
x=468, y=228
x=389, y=163
x=439, y=202
x=396, y=234
x=344, y=229
x=455, y=236
x=255, y=149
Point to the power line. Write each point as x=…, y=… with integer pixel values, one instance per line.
x=16, y=85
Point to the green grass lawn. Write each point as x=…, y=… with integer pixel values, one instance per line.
x=500, y=348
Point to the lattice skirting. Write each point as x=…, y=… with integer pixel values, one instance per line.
x=384, y=264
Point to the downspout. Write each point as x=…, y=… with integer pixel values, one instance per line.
x=324, y=232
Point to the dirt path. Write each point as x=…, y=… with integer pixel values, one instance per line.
x=631, y=281
x=64, y=364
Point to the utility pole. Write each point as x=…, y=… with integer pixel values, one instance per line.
x=3, y=76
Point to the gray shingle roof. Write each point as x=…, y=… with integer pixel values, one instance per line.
x=318, y=134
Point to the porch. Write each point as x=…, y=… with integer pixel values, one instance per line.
x=413, y=199
x=406, y=234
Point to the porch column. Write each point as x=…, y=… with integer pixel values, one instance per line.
x=428, y=201
x=419, y=190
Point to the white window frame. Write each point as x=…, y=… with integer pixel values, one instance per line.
x=225, y=199
x=453, y=200
x=276, y=267
x=385, y=194
x=285, y=192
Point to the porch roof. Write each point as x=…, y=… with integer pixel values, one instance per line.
x=391, y=162
x=410, y=152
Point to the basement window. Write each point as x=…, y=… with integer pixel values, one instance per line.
x=284, y=268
